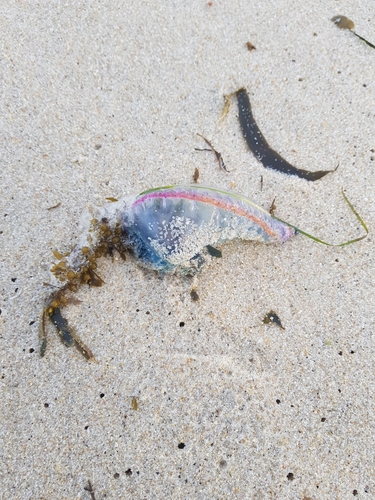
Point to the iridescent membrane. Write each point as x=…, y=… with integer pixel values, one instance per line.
x=168, y=227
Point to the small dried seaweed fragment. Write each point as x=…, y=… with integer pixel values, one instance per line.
x=272, y=207
x=214, y=252
x=345, y=23
x=272, y=317
x=90, y=489
x=134, y=403
x=259, y=146
x=216, y=153
x=196, y=175
x=227, y=100
x=54, y=206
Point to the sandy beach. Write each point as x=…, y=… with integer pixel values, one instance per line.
x=189, y=399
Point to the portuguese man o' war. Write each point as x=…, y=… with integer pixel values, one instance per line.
x=166, y=229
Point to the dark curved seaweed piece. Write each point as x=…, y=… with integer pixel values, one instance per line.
x=272, y=317
x=214, y=252
x=62, y=326
x=68, y=336
x=259, y=146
